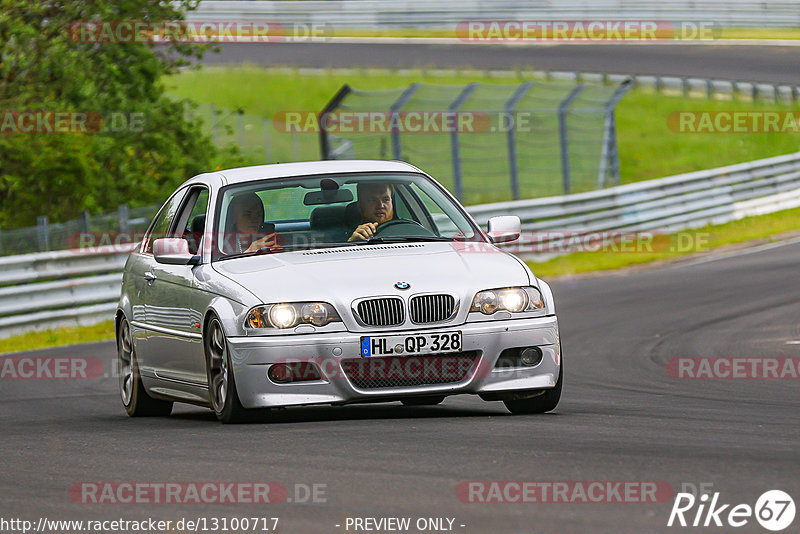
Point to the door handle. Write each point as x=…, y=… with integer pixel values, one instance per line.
x=150, y=277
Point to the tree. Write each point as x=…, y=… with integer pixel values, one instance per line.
x=126, y=140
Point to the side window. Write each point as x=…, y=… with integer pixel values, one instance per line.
x=401, y=209
x=163, y=222
x=436, y=220
x=192, y=220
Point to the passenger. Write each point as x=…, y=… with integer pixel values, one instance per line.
x=245, y=216
x=375, y=204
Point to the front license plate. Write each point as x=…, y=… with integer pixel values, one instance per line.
x=439, y=343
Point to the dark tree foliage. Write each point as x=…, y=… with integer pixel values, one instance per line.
x=46, y=65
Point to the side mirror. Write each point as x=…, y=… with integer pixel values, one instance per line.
x=173, y=251
x=504, y=228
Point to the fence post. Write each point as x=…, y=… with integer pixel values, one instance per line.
x=609, y=159
x=240, y=127
x=84, y=221
x=455, y=153
x=41, y=232
x=709, y=88
x=512, y=138
x=266, y=141
x=1, y=241
x=214, y=136
x=795, y=93
x=295, y=145
x=562, y=135
x=754, y=91
x=685, y=86
x=383, y=147
x=123, y=218
x=397, y=151
x=324, y=143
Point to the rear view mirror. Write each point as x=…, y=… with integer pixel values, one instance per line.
x=504, y=228
x=173, y=251
x=328, y=196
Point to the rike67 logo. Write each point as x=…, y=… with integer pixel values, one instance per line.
x=774, y=510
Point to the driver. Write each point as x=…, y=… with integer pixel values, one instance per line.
x=376, y=207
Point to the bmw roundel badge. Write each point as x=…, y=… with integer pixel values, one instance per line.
x=402, y=285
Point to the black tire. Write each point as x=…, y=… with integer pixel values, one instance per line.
x=135, y=399
x=542, y=403
x=423, y=401
x=221, y=383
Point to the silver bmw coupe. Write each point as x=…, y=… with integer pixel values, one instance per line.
x=330, y=282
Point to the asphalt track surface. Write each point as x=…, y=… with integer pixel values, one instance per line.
x=622, y=418
x=771, y=64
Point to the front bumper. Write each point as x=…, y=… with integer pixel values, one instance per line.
x=251, y=358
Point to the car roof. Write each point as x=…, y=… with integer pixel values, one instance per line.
x=304, y=168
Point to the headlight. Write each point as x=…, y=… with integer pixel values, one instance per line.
x=287, y=315
x=283, y=316
x=513, y=299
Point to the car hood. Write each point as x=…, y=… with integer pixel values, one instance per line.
x=340, y=275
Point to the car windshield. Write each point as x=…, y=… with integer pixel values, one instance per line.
x=281, y=215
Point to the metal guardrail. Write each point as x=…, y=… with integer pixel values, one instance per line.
x=64, y=288
x=50, y=289
x=714, y=196
x=423, y=14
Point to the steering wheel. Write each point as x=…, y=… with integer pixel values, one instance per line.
x=402, y=228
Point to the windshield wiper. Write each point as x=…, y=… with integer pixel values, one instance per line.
x=286, y=248
x=403, y=239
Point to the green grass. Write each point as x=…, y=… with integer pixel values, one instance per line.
x=647, y=147
x=760, y=33
x=665, y=248
x=57, y=337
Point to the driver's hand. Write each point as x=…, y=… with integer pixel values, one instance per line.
x=266, y=242
x=364, y=232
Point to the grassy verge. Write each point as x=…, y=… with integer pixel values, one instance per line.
x=670, y=247
x=648, y=148
x=57, y=337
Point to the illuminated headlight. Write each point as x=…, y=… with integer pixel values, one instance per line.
x=283, y=316
x=287, y=315
x=512, y=299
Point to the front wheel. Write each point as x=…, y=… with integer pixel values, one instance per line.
x=221, y=384
x=134, y=397
x=545, y=401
